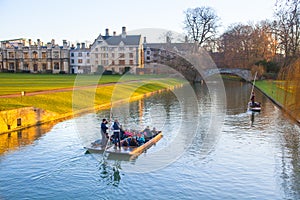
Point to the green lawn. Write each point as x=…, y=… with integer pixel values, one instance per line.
x=63, y=102
x=11, y=83
x=271, y=89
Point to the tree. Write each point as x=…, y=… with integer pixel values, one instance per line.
x=287, y=28
x=245, y=45
x=201, y=24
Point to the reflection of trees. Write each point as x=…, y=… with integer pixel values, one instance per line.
x=291, y=170
x=110, y=173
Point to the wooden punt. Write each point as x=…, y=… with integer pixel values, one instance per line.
x=134, y=151
x=256, y=108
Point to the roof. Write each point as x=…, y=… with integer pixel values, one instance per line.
x=116, y=40
x=170, y=46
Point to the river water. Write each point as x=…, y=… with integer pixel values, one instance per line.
x=207, y=152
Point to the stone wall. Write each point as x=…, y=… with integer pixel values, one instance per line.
x=23, y=117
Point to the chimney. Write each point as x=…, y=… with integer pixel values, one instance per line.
x=145, y=40
x=123, y=32
x=78, y=46
x=114, y=33
x=83, y=45
x=20, y=45
x=53, y=42
x=29, y=42
x=38, y=43
x=65, y=44
x=49, y=45
x=106, y=32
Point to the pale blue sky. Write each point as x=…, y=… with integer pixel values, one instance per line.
x=79, y=20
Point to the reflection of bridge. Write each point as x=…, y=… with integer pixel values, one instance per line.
x=193, y=63
x=243, y=73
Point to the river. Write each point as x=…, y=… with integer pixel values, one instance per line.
x=208, y=152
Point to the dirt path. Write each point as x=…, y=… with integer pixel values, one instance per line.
x=67, y=89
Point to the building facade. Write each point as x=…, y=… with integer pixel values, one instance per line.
x=22, y=56
x=80, y=62
x=116, y=54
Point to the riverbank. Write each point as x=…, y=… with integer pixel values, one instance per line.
x=275, y=94
x=26, y=111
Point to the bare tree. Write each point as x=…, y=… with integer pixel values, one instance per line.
x=244, y=45
x=287, y=28
x=201, y=24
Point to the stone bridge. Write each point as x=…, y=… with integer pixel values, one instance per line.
x=243, y=73
x=192, y=62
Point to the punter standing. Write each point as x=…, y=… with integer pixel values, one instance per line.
x=104, y=133
x=115, y=127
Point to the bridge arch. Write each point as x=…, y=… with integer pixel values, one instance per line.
x=243, y=73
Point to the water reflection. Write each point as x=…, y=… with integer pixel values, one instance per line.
x=110, y=173
x=13, y=140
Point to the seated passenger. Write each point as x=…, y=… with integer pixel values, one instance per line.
x=133, y=142
x=147, y=133
x=154, y=131
x=141, y=139
x=125, y=143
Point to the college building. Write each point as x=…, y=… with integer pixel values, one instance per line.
x=20, y=55
x=116, y=54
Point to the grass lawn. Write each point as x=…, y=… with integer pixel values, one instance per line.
x=271, y=89
x=63, y=102
x=11, y=83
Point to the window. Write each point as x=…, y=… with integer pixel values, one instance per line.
x=79, y=60
x=121, y=55
x=26, y=55
x=96, y=55
x=96, y=49
x=113, y=62
x=55, y=54
x=130, y=55
x=11, y=55
x=44, y=66
x=148, y=57
x=130, y=48
x=72, y=61
x=72, y=54
x=35, y=55
x=121, y=62
x=113, y=55
x=25, y=66
x=88, y=54
x=11, y=66
x=121, y=48
x=131, y=62
x=80, y=54
x=44, y=55
x=148, y=52
x=56, y=65
x=88, y=61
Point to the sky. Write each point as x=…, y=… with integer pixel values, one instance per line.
x=82, y=21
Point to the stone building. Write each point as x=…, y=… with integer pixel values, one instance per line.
x=20, y=55
x=117, y=54
x=80, y=59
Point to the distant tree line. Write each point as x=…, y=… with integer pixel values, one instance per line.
x=269, y=46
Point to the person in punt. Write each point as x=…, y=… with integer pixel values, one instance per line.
x=104, y=133
x=115, y=127
x=147, y=133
